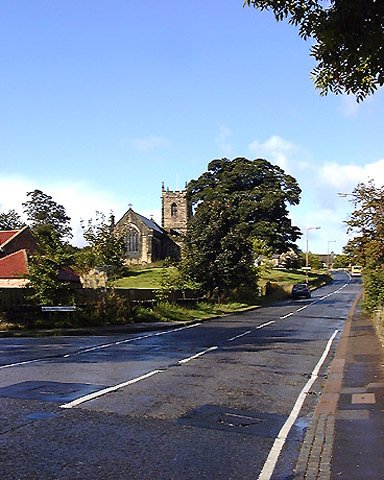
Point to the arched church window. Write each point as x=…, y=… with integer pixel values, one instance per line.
x=173, y=209
x=133, y=241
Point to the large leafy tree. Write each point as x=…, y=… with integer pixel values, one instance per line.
x=43, y=214
x=349, y=40
x=10, y=220
x=51, y=227
x=236, y=201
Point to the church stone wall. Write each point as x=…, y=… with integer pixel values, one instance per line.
x=176, y=211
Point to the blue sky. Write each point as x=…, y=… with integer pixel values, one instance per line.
x=102, y=101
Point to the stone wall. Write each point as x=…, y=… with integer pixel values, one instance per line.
x=175, y=211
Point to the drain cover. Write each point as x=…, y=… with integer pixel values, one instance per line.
x=236, y=421
x=48, y=391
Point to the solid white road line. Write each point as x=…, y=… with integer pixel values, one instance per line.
x=281, y=438
x=100, y=393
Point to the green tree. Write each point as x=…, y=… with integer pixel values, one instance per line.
x=349, y=39
x=11, y=220
x=313, y=260
x=366, y=223
x=51, y=228
x=43, y=214
x=235, y=202
x=342, y=261
x=106, y=249
x=367, y=246
x=44, y=267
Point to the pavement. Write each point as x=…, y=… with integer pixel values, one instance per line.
x=345, y=439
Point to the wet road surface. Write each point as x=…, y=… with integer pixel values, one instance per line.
x=203, y=401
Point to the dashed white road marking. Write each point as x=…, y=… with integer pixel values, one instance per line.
x=23, y=363
x=265, y=324
x=313, y=303
x=239, y=336
x=104, y=391
x=130, y=340
x=114, y=388
x=270, y=464
x=98, y=347
x=302, y=308
x=197, y=355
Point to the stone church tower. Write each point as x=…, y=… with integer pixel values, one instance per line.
x=176, y=210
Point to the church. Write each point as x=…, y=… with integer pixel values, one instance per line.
x=148, y=242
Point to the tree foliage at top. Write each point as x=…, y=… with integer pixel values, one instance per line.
x=367, y=223
x=51, y=228
x=349, y=40
x=11, y=220
x=367, y=247
x=43, y=214
x=236, y=201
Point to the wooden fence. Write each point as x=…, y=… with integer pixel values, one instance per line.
x=18, y=297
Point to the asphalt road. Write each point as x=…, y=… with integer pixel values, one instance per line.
x=206, y=401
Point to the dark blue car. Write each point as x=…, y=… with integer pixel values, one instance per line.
x=301, y=290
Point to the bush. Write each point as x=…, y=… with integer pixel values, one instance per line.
x=374, y=288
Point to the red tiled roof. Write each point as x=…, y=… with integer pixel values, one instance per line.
x=14, y=265
x=7, y=234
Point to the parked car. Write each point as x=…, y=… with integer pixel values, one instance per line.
x=301, y=290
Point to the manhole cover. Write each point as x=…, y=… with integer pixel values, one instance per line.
x=235, y=421
x=48, y=391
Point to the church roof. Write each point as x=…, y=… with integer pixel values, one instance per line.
x=150, y=223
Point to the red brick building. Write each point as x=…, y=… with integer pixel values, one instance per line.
x=15, y=246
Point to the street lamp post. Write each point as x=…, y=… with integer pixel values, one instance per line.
x=329, y=241
x=307, y=252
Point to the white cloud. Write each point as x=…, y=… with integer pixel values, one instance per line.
x=13, y=191
x=80, y=200
x=147, y=144
x=281, y=152
x=320, y=183
x=346, y=177
x=223, y=141
x=349, y=107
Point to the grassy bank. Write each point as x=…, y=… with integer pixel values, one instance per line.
x=143, y=278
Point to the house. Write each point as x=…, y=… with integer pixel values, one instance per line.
x=148, y=242
x=15, y=247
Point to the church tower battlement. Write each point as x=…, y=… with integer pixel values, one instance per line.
x=176, y=210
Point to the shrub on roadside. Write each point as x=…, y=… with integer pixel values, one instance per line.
x=373, y=288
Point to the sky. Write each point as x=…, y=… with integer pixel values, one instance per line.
x=102, y=101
